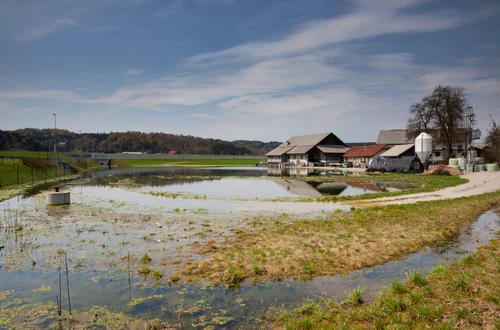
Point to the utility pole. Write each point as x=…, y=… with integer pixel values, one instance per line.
x=55, y=134
x=470, y=121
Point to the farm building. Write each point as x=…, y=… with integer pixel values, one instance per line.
x=392, y=137
x=403, y=150
x=302, y=150
x=361, y=156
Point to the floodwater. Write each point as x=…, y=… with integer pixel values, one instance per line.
x=108, y=221
x=241, y=182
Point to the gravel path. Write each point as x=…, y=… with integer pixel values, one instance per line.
x=479, y=183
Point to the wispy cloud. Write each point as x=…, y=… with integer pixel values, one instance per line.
x=366, y=20
x=31, y=109
x=133, y=72
x=169, y=10
x=45, y=30
x=203, y=115
x=41, y=94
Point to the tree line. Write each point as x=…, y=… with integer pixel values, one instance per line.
x=32, y=139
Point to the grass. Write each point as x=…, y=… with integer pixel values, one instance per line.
x=187, y=162
x=14, y=171
x=436, y=305
x=33, y=154
x=338, y=243
x=145, y=259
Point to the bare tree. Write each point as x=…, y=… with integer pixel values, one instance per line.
x=420, y=119
x=493, y=140
x=450, y=113
x=442, y=111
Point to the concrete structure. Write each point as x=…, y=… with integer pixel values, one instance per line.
x=302, y=150
x=361, y=156
x=58, y=198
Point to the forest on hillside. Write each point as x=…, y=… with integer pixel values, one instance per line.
x=32, y=139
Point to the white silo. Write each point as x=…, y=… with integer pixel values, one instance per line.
x=423, y=147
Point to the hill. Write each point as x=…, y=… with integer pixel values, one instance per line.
x=33, y=139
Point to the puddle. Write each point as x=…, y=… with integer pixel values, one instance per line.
x=242, y=307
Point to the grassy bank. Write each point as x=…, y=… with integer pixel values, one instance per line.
x=465, y=295
x=17, y=172
x=186, y=162
x=338, y=243
x=33, y=154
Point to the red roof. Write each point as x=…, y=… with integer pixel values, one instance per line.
x=173, y=152
x=364, y=151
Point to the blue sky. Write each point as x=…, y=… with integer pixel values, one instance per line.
x=242, y=69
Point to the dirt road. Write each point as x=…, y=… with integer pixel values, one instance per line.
x=479, y=183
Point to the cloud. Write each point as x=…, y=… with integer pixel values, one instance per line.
x=31, y=109
x=367, y=20
x=44, y=30
x=169, y=10
x=133, y=72
x=263, y=77
x=203, y=116
x=41, y=94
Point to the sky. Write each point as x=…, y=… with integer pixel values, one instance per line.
x=242, y=69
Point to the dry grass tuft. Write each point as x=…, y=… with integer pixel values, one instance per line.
x=338, y=243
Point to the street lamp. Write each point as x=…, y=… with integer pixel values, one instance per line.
x=55, y=132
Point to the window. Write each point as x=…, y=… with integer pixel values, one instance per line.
x=437, y=154
x=460, y=147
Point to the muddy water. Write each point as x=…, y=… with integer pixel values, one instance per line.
x=107, y=221
x=211, y=306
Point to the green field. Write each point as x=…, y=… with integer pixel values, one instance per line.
x=187, y=162
x=32, y=154
x=13, y=172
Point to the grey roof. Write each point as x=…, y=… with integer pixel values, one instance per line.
x=299, y=150
x=393, y=136
x=305, y=140
x=333, y=149
x=397, y=150
x=302, y=144
x=279, y=151
x=480, y=146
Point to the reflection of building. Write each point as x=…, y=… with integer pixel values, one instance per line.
x=302, y=150
x=299, y=188
x=298, y=171
x=332, y=188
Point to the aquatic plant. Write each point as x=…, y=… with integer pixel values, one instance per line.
x=146, y=259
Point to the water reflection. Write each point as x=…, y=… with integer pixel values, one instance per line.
x=227, y=182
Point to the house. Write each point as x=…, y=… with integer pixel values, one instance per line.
x=173, y=152
x=361, y=156
x=302, y=150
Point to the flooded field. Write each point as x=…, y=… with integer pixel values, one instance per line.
x=127, y=231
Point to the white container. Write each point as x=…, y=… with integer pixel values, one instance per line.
x=492, y=167
x=453, y=161
x=461, y=163
x=423, y=146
